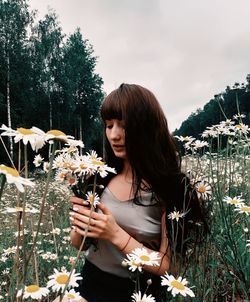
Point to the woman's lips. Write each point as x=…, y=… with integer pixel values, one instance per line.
x=118, y=146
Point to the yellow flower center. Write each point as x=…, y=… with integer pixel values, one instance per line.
x=239, y=126
x=234, y=201
x=11, y=171
x=177, y=285
x=62, y=175
x=144, y=258
x=32, y=288
x=91, y=198
x=97, y=162
x=82, y=166
x=202, y=189
x=24, y=131
x=56, y=133
x=245, y=209
x=18, y=209
x=71, y=296
x=62, y=279
x=71, y=150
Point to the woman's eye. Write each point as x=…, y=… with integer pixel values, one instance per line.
x=109, y=126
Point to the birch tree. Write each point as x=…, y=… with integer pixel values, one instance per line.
x=47, y=43
x=14, y=20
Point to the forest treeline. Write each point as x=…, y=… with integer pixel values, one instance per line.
x=47, y=79
x=234, y=100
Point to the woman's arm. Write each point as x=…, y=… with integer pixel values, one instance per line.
x=126, y=244
x=104, y=226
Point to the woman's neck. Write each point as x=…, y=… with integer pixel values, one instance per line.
x=127, y=170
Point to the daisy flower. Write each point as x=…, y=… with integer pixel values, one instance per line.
x=97, y=165
x=10, y=250
x=34, y=136
x=71, y=180
x=132, y=264
x=75, y=143
x=143, y=257
x=61, y=175
x=92, y=155
x=38, y=160
x=92, y=198
x=46, y=166
x=59, y=280
x=20, y=209
x=82, y=166
x=237, y=201
x=198, y=144
x=203, y=189
x=57, y=135
x=13, y=177
x=103, y=169
x=65, y=161
x=72, y=296
x=33, y=291
x=137, y=297
x=176, y=215
x=184, y=138
x=243, y=209
x=239, y=116
x=242, y=128
x=176, y=286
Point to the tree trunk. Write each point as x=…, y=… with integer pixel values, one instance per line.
x=80, y=132
x=50, y=113
x=8, y=102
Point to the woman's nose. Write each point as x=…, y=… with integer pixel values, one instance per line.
x=116, y=132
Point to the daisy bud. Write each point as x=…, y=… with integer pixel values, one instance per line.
x=124, y=264
x=149, y=281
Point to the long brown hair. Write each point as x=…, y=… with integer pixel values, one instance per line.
x=153, y=155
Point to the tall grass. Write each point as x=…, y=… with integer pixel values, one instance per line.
x=217, y=270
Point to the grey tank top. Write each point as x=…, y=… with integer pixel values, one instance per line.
x=143, y=222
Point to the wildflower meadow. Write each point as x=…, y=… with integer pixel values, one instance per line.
x=37, y=261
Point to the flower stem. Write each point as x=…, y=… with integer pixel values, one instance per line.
x=2, y=181
x=41, y=210
x=83, y=241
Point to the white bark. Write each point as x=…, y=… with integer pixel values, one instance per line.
x=80, y=132
x=8, y=102
x=50, y=113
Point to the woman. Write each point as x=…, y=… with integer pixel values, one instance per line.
x=136, y=202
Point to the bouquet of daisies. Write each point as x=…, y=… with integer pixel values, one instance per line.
x=79, y=172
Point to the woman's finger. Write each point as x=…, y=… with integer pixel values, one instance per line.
x=87, y=212
x=83, y=219
x=78, y=201
x=82, y=232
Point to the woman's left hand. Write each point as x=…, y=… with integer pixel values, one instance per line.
x=102, y=225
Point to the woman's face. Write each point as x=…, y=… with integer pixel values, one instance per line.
x=115, y=133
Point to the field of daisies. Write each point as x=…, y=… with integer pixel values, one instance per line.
x=37, y=261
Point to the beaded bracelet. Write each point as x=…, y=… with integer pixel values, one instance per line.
x=121, y=250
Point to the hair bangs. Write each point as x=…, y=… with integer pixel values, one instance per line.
x=112, y=107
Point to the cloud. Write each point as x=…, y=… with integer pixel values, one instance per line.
x=184, y=51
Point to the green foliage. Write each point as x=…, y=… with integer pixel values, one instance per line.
x=221, y=107
x=52, y=79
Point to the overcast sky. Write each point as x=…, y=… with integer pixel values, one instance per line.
x=184, y=51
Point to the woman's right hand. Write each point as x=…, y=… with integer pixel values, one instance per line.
x=75, y=235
